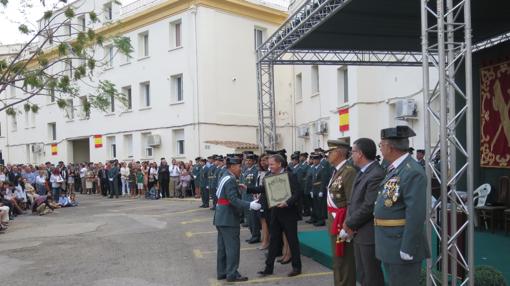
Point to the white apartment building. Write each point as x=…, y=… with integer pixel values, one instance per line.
x=191, y=84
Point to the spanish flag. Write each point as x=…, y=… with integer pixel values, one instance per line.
x=343, y=119
x=54, y=149
x=98, y=141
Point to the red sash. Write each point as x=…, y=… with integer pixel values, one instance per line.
x=223, y=202
x=336, y=226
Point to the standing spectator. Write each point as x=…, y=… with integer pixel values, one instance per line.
x=40, y=183
x=140, y=182
x=175, y=172
x=64, y=173
x=113, y=180
x=164, y=178
x=132, y=180
x=83, y=174
x=184, y=184
x=70, y=179
x=152, y=175
x=89, y=180
x=124, y=179
x=102, y=173
x=56, y=182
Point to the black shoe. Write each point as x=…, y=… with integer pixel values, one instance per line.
x=286, y=261
x=294, y=272
x=213, y=208
x=319, y=223
x=201, y=206
x=245, y=225
x=222, y=277
x=310, y=221
x=237, y=279
x=254, y=240
x=265, y=272
x=306, y=214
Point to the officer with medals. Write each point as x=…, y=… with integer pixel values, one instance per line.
x=400, y=210
x=249, y=180
x=338, y=196
x=227, y=219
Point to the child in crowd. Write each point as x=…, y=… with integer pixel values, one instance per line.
x=140, y=182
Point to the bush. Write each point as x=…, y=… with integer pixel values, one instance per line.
x=484, y=276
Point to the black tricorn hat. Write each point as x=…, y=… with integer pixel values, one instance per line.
x=234, y=160
x=198, y=158
x=315, y=156
x=251, y=156
x=399, y=132
x=305, y=154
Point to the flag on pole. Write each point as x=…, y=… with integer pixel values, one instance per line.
x=54, y=149
x=343, y=119
x=98, y=141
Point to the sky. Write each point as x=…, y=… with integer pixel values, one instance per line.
x=29, y=11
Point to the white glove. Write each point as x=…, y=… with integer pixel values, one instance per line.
x=344, y=236
x=320, y=194
x=405, y=256
x=255, y=205
x=311, y=195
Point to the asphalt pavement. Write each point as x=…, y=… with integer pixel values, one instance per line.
x=131, y=242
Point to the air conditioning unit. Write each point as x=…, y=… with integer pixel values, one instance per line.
x=320, y=127
x=149, y=152
x=303, y=131
x=37, y=148
x=154, y=140
x=406, y=108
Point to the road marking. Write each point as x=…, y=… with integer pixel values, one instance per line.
x=190, y=234
x=200, y=254
x=196, y=220
x=215, y=282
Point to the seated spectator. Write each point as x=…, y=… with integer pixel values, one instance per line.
x=4, y=217
x=9, y=196
x=72, y=200
x=64, y=201
x=42, y=205
x=184, y=183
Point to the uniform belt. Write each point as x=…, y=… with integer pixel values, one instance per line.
x=212, y=177
x=316, y=184
x=223, y=202
x=389, y=222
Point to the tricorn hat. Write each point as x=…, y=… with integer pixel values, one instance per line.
x=399, y=132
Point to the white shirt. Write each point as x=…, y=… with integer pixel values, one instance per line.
x=399, y=161
x=40, y=180
x=124, y=172
x=83, y=171
x=175, y=171
x=364, y=168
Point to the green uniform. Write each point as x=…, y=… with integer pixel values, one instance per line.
x=196, y=174
x=320, y=180
x=249, y=178
x=226, y=219
x=400, y=212
x=204, y=190
x=212, y=183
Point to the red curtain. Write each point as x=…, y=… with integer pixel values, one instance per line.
x=495, y=115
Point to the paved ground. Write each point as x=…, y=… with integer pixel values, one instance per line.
x=130, y=243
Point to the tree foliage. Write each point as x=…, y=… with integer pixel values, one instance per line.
x=60, y=61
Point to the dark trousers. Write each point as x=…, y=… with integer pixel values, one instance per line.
x=114, y=188
x=307, y=205
x=205, y=196
x=214, y=198
x=368, y=266
x=280, y=225
x=403, y=274
x=104, y=187
x=320, y=210
x=229, y=247
x=344, y=267
x=163, y=185
x=255, y=224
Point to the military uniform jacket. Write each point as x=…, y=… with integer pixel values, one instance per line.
x=340, y=186
x=309, y=178
x=196, y=173
x=211, y=177
x=204, y=180
x=360, y=210
x=229, y=215
x=320, y=179
x=219, y=173
x=402, y=195
x=249, y=176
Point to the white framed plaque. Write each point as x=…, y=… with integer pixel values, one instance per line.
x=277, y=189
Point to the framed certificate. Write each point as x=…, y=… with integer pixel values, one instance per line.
x=277, y=189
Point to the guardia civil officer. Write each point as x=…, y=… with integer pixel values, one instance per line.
x=196, y=177
x=320, y=179
x=227, y=220
x=302, y=174
x=360, y=218
x=400, y=210
x=248, y=180
x=338, y=196
x=204, y=180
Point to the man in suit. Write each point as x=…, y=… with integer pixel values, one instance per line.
x=338, y=196
x=360, y=219
x=227, y=219
x=284, y=218
x=164, y=178
x=400, y=210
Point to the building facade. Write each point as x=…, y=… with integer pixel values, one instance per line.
x=190, y=80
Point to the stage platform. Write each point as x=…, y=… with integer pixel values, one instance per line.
x=490, y=249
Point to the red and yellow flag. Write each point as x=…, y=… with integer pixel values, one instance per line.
x=54, y=149
x=343, y=119
x=98, y=141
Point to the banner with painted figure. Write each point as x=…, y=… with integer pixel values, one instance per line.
x=495, y=116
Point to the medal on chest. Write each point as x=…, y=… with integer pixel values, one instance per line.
x=391, y=191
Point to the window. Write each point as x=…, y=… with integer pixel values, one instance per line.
x=82, y=23
x=145, y=93
x=177, y=88
x=127, y=93
x=126, y=58
x=147, y=151
x=143, y=44
x=259, y=37
x=85, y=110
x=179, y=141
x=108, y=11
x=52, y=94
x=315, y=80
x=27, y=117
x=70, y=109
x=299, y=87
x=112, y=103
x=69, y=28
x=109, y=56
x=111, y=147
x=343, y=85
x=52, y=131
x=14, y=123
x=175, y=34
x=128, y=146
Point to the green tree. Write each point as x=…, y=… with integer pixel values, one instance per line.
x=59, y=60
